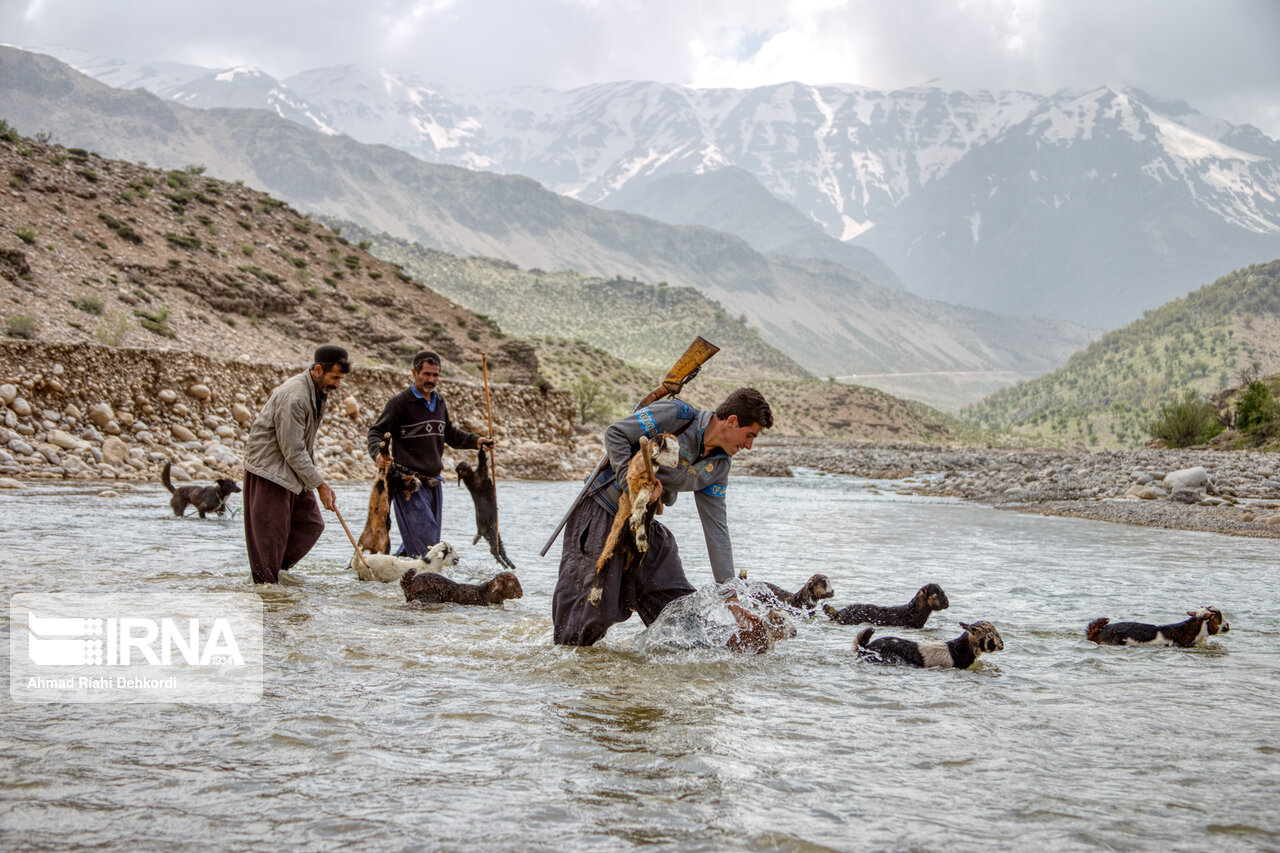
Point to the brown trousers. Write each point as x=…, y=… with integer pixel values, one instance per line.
x=279, y=526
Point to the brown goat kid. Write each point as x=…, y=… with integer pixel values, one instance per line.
x=433, y=588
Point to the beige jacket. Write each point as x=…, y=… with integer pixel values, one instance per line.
x=282, y=440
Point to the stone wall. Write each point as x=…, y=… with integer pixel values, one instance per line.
x=75, y=411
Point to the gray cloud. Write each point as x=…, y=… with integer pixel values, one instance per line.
x=1218, y=56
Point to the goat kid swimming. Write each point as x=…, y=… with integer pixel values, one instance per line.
x=961, y=653
x=1203, y=623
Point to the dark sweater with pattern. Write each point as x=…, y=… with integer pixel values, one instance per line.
x=418, y=434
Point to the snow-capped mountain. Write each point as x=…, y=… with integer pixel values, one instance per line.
x=1085, y=206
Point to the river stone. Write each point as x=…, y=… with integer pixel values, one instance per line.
x=50, y=452
x=20, y=447
x=168, y=395
x=179, y=474
x=72, y=412
x=1142, y=492
x=10, y=419
x=226, y=431
x=1187, y=478
x=181, y=409
x=66, y=440
x=182, y=433
x=108, y=493
x=1272, y=519
x=111, y=428
x=241, y=413
x=351, y=407
x=1185, y=496
x=20, y=407
x=8, y=392
x=54, y=385
x=57, y=369
x=10, y=483
x=125, y=418
x=200, y=391
x=101, y=414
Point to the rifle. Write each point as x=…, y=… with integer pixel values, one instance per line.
x=682, y=372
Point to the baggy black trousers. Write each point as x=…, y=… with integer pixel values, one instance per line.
x=647, y=588
x=279, y=526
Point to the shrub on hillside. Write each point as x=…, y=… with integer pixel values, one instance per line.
x=1258, y=411
x=1186, y=422
x=1251, y=408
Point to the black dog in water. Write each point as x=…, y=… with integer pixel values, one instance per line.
x=203, y=498
x=485, y=495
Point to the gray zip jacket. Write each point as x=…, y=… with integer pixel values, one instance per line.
x=706, y=477
x=282, y=440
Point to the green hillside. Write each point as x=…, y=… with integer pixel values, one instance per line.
x=1107, y=393
x=641, y=324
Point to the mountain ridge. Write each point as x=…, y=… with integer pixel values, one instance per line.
x=511, y=218
x=1007, y=201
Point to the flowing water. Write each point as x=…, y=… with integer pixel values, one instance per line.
x=388, y=726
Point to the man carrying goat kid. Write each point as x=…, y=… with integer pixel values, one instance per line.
x=418, y=420
x=707, y=442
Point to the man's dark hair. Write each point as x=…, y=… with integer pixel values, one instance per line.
x=330, y=356
x=425, y=357
x=749, y=405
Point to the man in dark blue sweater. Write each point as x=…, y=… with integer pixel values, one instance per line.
x=418, y=420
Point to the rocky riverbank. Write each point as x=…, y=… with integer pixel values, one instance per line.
x=80, y=412
x=1237, y=492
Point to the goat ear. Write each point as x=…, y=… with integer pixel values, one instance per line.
x=1191, y=613
x=964, y=626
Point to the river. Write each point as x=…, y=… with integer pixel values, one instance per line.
x=387, y=726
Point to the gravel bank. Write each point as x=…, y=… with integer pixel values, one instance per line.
x=1239, y=496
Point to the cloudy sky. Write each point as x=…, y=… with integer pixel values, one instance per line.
x=1218, y=55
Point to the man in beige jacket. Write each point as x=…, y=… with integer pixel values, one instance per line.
x=281, y=519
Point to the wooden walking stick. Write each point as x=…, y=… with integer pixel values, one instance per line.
x=493, y=461
x=352, y=540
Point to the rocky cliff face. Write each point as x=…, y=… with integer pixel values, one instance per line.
x=76, y=411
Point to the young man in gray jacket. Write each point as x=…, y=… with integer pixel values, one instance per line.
x=281, y=519
x=708, y=441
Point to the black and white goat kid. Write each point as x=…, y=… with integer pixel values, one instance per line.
x=978, y=638
x=1191, y=632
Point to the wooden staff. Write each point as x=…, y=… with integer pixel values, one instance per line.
x=493, y=462
x=352, y=540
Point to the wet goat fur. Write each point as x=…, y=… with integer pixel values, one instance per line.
x=204, y=498
x=484, y=494
x=1203, y=623
x=642, y=499
x=386, y=568
x=913, y=614
x=806, y=597
x=432, y=588
x=978, y=638
x=376, y=536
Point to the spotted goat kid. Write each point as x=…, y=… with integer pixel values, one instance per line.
x=978, y=638
x=1191, y=632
